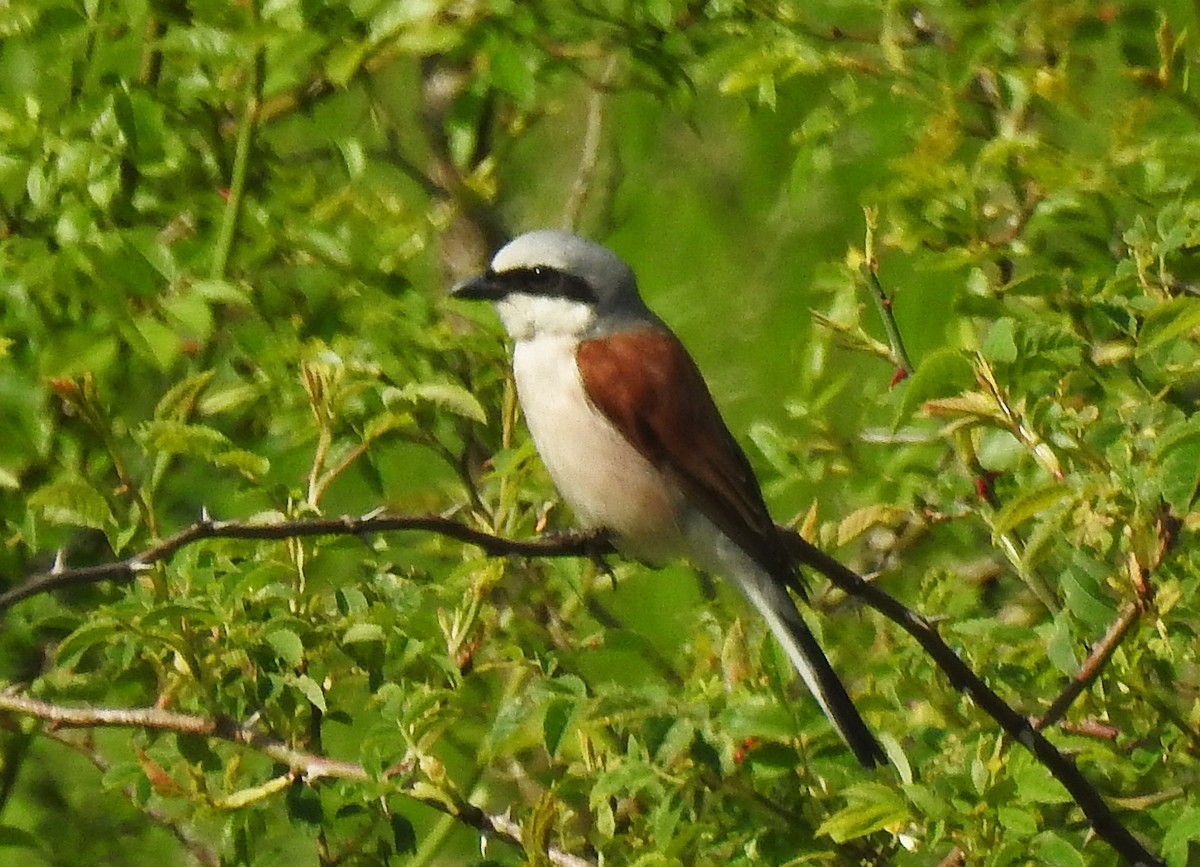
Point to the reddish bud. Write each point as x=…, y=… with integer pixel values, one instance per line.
x=740, y=754
x=64, y=386
x=984, y=486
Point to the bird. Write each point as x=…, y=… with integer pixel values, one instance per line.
x=632, y=438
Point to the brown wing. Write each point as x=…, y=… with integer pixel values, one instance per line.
x=648, y=385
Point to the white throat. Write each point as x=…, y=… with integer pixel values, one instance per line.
x=528, y=316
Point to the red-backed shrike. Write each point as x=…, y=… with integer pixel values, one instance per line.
x=625, y=424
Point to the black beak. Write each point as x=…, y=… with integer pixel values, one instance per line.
x=481, y=287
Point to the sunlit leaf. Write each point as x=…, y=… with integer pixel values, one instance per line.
x=311, y=690
x=1031, y=504
x=941, y=374
x=73, y=502
x=869, y=807
x=1169, y=321
x=446, y=395
x=287, y=644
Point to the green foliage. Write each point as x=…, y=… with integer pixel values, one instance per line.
x=226, y=230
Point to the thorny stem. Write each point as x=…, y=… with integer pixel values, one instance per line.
x=869, y=272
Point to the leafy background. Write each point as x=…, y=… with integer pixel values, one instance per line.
x=226, y=230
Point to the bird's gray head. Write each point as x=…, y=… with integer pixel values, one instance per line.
x=552, y=282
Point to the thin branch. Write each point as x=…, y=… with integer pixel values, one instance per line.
x=150, y=66
x=869, y=272
x=1027, y=436
x=227, y=232
x=1017, y=726
x=200, y=849
x=308, y=766
x=589, y=157
x=58, y=577
x=1103, y=821
x=1092, y=666
x=1107, y=646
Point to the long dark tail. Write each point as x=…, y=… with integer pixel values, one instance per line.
x=789, y=628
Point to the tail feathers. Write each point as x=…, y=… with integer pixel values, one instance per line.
x=778, y=609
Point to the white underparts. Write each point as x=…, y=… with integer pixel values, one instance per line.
x=528, y=316
x=604, y=479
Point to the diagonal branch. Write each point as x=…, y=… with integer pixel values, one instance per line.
x=1092, y=666
x=1105, y=648
x=305, y=765
x=593, y=544
x=1102, y=819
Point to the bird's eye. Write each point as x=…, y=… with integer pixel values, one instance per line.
x=542, y=279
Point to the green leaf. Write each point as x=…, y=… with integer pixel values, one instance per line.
x=773, y=446
x=218, y=400
x=1036, y=785
x=72, y=502
x=404, y=835
x=511, y=718
x=181, y=438
x=386, y=423
x=311, y=690
x=1000, y=346
x=180, y=399
x=446, y=395
x=1167, y=322
x=1182, y=833
x=361, y=632
x=758, y=716
x=160, y=342
x=1084, y=597
x=941, y=374
x=250, y=465
x=514, y=70
x=625, y=778
x=352, y=602
x=870, y=807
x=18, y=838
x=1051, y=849
x=676, y=742
x=1021, y=822
x=196, y=440
x=1029, y=504
x=222, y=291
x=1060, y=646
x=72, y=648
x=555, y=724
x=1180, y=471
x=287, y=645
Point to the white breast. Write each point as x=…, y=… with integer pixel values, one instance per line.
x=604, y=479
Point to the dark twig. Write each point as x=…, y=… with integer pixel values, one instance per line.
x=1092, y=666
x=1102, y=819
x=1105, y=823
x=1104, y=649
x=572, y=545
